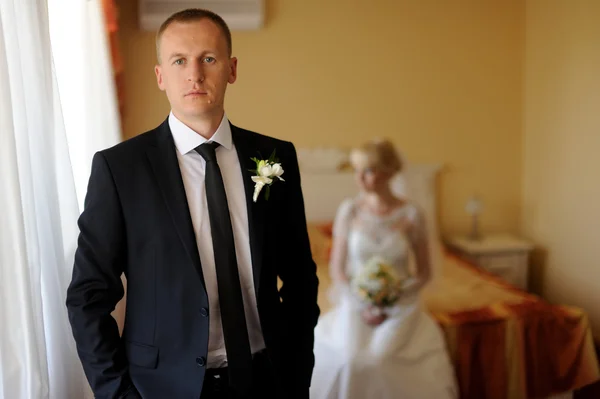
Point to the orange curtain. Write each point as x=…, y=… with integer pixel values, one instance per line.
x=112, y=29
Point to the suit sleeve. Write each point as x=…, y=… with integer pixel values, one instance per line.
x=298, y=274
x=96, y=287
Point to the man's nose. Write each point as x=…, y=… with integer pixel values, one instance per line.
x=196, y=72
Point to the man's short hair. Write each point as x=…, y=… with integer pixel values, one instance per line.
x=192, y=15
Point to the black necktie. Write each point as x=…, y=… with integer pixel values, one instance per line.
x=235, y=331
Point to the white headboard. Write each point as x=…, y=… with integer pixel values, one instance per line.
x=326, y=183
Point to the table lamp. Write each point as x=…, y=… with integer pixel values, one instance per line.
x=474, y=208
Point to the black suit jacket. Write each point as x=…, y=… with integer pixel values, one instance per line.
x=137, y=221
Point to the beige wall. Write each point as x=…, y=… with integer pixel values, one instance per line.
x=442, y=79
x=561, y=186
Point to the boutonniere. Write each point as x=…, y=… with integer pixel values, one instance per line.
x=267, y=171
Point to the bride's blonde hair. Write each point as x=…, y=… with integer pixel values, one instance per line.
x=379, y=154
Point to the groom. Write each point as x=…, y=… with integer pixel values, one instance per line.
x=173, y=209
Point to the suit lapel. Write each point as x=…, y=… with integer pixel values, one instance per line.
x=164, y=163
x=246, y=149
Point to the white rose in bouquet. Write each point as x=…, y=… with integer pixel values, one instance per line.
x=378, y=283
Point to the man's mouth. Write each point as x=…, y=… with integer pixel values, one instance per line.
x=196, y=93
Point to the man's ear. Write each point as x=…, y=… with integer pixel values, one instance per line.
x=232, y=70
x=159, y=77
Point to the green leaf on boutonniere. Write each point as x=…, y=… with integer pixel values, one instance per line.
x=272, y=158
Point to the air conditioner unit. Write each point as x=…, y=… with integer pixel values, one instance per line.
x=238, y=14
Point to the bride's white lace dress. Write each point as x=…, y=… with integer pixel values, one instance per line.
x=405, y=357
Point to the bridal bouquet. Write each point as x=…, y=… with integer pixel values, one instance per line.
x=378, y=283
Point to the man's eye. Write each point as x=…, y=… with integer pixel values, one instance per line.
x=209, y=60
x=179, y=62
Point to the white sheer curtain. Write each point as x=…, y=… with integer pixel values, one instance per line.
x=85, y=81
x=87, y=90
x=38, y=198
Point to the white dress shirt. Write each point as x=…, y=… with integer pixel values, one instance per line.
x=193, y=168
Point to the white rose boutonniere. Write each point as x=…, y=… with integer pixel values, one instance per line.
x=267, y=172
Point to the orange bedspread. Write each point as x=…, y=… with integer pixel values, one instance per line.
x=504, y=343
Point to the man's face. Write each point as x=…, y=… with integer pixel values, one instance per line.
x=195, y=68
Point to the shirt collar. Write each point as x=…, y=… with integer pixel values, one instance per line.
x=187, y=140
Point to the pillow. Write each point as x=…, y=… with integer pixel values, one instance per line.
x=417, y=183
x=324, y=192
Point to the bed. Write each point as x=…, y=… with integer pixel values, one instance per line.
x=504, y=343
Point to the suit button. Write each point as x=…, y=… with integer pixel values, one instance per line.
x=200, y=361
x=203, y=312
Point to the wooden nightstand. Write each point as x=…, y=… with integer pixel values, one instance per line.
x=501, y=254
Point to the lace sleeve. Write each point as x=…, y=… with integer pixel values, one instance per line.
x=417, y=234
x=417, y=231
x=343, y=218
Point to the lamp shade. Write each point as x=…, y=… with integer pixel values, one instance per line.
x=474, y=206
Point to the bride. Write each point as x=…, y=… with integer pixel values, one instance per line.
x=363, y=352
